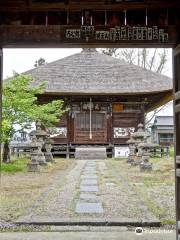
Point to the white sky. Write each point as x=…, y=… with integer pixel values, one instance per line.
x=21, y=59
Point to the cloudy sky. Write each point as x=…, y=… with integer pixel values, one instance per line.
x=20, y=60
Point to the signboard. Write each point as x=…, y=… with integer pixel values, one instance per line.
x=122, y=151
x=119, y=33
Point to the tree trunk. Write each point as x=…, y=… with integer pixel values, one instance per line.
x=6, y=152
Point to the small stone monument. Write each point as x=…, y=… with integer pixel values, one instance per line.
x=139, y=141
x=132, y=150
x=40, y=136
x=140, y=137
x=48, y=155
x=146, y=147
x=33, y=166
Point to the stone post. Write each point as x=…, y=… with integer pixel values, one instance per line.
x=48, y=154
x=33, y=166
x=40, y=135
x=145, y=165
x=132, y=148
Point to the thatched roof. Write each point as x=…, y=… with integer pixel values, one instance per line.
x=163, y=121
x=91, y=72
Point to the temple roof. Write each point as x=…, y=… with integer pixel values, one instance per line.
x=163, y=121
x=91, y=72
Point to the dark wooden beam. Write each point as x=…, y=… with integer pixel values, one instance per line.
x=1, y=83
x=55, y=36
x=176, y=76
x=77, y=5
x=28, y=2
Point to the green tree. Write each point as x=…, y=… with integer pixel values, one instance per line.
x=20, y=107
x=41, y=61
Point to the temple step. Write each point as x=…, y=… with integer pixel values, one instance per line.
x=90, y=153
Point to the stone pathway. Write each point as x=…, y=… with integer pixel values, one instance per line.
x=100, y=235
x=89, y=192
x=88, y=202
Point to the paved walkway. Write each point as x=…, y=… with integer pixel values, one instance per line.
x=107, y=235
x=88, y=202
x=89, y=192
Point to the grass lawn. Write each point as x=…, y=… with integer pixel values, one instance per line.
x=16, y=165
x=19, y=188
x=156, y=188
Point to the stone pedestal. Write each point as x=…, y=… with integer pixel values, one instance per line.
x=48, y=155
x=90, y=153
x=145, y=165
x=40, y=138
x=131, y=142
x=33, y=166
x=41, y=159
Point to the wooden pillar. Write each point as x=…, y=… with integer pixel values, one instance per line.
x=176, y=88
x=68, y=130
x=1, y=83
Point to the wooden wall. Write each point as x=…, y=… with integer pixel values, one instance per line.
x=125, y=120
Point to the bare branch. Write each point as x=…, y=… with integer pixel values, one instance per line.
x=163, y=60
x=152, y=60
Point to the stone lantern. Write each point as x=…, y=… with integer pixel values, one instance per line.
x=48, y=146
x=40, y=136
x=132, y=148
x=146, y=147
x=140, y=137
x=33, y=166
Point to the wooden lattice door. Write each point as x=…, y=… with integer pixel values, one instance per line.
x=96, y=124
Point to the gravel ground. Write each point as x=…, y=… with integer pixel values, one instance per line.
x=156, y=189
x=22, y=191
x=58, y=203
x=119, y=199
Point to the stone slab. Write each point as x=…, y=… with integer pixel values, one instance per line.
x=92, y=188
x=89, y=228
x=89, y=182
x=89, y=172
x=91, y=165
x=89, y=176
x=110, y=184
x=88, y=153
x=87, y=196
x=90, y=169
x=82, y=207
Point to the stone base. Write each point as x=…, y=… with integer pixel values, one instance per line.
x=130, y=160
x=135, y=163
x=33, y=167
x=145, y=166
x=41, y=159
x=90, y=153
x=43, y=163
x=49, y=157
